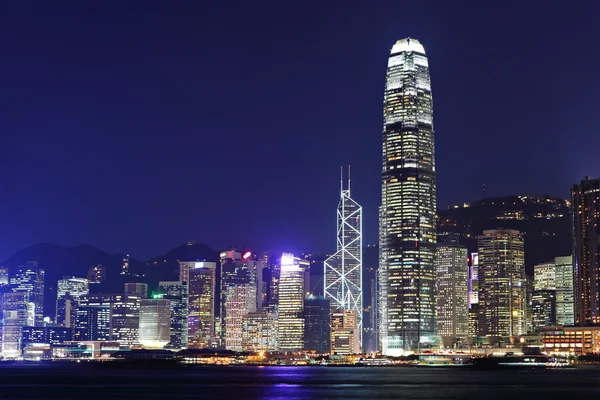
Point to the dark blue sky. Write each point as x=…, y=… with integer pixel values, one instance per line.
x=135, y=126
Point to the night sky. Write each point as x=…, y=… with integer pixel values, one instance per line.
x=136, y=126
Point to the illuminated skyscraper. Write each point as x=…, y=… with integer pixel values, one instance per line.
x=544, y=276
x=29, y=278
x=259, y=332
x=238, y=269
x=239, y=301
x=343, y=270
x=502, y=284
x=408, y=207
x=291, y=304
x=125, y=319
x=174, y=291
x=155, y=322
x=200, y=280
x=452, y=282
x=68, y=293
x=586, y=250
x=565, y=303
x=15, y=317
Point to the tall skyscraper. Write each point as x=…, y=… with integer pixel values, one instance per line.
x=68, y=293
x=452, y=270
x=239, y=301
x=125, y=319
x=155, y=323
x=565, y=302
x=238, y=269
x=343, y=270
x=29, y=278
x=502, y=284
x=15, y=316
x=291, y=304
x=200, y=280
x=317, y=322
x=92, y=318
x=586, y=250
x=174, y=292
x=408, y=206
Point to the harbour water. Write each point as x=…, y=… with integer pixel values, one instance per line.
x=88, y=381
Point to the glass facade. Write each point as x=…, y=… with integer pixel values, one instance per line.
x=343, y=270
x=565, y=313
x=29, y=278
x=502, y=284
x=174, y=291
x=68, y=293
x=291, y=304
x=408, y=208
x=201, y=284
x=155, y=322
x=452, y=270
x=586, y=250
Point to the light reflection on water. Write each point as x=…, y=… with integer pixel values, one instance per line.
x=238, y=383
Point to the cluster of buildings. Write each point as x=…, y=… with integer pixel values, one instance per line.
x=429, y=291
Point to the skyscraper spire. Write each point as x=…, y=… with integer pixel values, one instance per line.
x=348, y=180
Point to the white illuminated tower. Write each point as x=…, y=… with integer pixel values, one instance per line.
x=408, y=206
x=343, y=270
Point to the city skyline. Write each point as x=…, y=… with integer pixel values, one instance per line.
x=150, y=124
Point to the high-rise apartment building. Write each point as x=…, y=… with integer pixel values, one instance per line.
x=343, y=270
x=137, y=288
x=565, y=302
x=585, y=198
x=502, y=284
x=452, y=269
x=125, y=265
x=317, y=322
x=200, y=281
x=291, y=304
x=29, y=278
x=15, y=316
x=408, y=207
x=344, y=332
x=68, y=293
x=155, y=323
x=174, y=292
